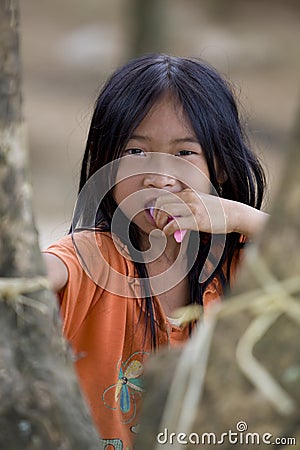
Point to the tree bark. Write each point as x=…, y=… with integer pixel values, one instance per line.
x=41, y=406
x=147, y=25
x=241, y=370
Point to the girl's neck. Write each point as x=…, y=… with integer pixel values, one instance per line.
x=166, y=263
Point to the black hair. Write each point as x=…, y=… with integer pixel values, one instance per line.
x=209, y=104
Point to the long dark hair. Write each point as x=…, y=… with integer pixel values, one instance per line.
x=209, y=104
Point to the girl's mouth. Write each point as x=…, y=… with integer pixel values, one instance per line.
x=149, y=211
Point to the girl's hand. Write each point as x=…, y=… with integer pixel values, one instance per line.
x=206, y=213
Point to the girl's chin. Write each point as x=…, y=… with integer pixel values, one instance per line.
x=145, y=229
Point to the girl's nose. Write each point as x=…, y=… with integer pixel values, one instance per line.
x=159, y=181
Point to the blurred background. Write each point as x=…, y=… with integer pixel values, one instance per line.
x=69, y=47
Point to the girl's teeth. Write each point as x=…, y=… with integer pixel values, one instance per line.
x=151, y=211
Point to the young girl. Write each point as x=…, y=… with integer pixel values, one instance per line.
x=169, y=192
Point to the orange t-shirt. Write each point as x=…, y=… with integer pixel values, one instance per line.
x=103, y=319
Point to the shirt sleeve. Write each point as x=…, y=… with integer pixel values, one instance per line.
x=95, y=266
x=81, y=291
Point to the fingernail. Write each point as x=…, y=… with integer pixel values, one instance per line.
x=179, y=235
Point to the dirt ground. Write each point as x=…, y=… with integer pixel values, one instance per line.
x=69, y=47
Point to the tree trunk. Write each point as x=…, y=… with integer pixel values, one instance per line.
x=41, y=406
x=241, y=369
x=147, y=25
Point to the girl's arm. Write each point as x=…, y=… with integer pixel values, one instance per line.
x=56, y=270
x=244, y=219
x=207, y=213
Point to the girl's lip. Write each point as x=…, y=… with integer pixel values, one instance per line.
x=150, y=211
x=149, y=216
x=150, y=203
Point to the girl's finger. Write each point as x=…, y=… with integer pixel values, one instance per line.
x=168, y=212
x=180, y=223
x=161, y=218
x=168, y=199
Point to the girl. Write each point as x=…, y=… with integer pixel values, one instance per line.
x=169, y=191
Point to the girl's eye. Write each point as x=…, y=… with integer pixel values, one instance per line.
x=185, y=153
x=134, y=151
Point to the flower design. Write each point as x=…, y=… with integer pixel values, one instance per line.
x=129, y=379
x=123, y=394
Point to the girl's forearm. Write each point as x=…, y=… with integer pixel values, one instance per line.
x=244, y=219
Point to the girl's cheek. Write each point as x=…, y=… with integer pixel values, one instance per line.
x=129, y=196
x=195, y=178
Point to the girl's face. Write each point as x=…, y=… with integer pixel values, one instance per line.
x=163, y=156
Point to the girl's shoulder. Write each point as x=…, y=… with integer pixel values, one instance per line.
x=96, y=271
x=93, y=250
x=91, y=241
x=85, y=235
